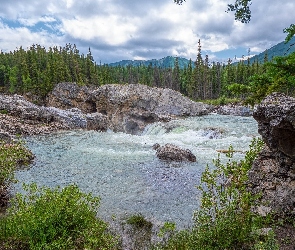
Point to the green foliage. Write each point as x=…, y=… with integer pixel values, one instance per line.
x=167, y=228
x=222, y=101
x=225, y=219
x=290, y=32
x=55, y=219
x=242, y=10
x=238, y=89
x=279, y=76
x=269, y=243
x=138, y=221
x=12, y=155
x=4, y=111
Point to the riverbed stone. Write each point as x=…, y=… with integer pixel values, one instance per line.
x=170, y=152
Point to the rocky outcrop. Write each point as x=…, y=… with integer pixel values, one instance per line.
x=121, y=108
x=170, y=152
x=128, y=108
x=273, y=173
x=96, y=121
x=19, y=116
x=70, y=95
x=233, y=109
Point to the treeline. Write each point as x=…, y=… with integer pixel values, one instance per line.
x=37, y=70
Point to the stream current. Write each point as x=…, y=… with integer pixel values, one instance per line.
x=124, y=171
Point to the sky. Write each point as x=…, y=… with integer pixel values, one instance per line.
x=144, y=29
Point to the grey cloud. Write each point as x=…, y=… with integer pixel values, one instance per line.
x=87, y=8
x=138, y=7
x=200, y=6
x=150, y=43
x=216, y=25
x=154, y=28
x=147, y=48
x=267, y=24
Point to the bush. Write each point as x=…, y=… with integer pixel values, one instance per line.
x=225, y=219
x=55, y=219
x=12, y=155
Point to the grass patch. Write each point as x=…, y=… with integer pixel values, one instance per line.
x=4, y=111
x=138, y=221
x=222, y=101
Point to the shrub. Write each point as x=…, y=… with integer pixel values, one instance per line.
x=55, y=219
x=225, y=219
x=12, y=155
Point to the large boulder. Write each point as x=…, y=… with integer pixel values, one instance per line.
x=170, y=152
x=130, y=108
x=96, y=121
x=273, y=172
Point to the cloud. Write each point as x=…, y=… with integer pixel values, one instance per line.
x=128, y=29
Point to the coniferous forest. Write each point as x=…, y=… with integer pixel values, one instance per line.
x=36, y=70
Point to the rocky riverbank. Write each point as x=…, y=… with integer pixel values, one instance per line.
x=273, y=173
x=233, y=109
x=121, y=108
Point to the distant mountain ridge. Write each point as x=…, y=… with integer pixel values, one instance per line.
x=166, y=62
x=281, y=49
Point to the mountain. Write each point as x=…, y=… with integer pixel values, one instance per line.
x=166, y=62
x=281, y=49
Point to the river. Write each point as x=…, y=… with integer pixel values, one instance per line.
x=123, y=169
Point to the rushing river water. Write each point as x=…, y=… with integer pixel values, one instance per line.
x=123, y=170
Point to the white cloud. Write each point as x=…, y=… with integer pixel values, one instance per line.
x=112, y=29
x=23, y=36
x=128, y=29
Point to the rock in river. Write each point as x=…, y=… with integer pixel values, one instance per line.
x=170, y=152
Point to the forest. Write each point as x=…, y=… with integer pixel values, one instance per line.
x=36, y=70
